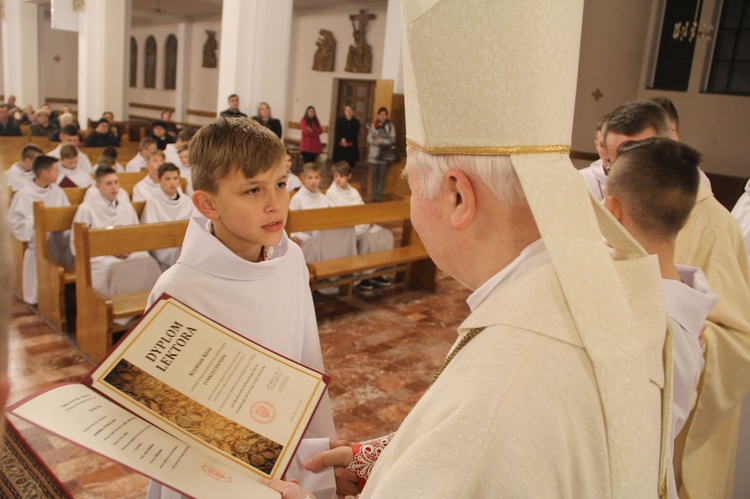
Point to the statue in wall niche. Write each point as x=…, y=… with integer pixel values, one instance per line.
x=209, y=50
x=326, y=53
x=79, y=5
x=359, y=59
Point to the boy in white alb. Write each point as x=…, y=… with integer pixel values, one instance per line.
x=43, y=188
x=594, y=175
x=106, y=161
x=149, y=186
x=70, y=174
x=651, y=190
x=370, y=237
x=168, y=205
x=293, y=183
x=20, y=173
x=238, y=267
x=741, y=213
x=171, y=151
x=114, y=274
x=138, y=163
x=69, y=135
x=332, y=243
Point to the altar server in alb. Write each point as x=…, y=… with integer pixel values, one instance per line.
x=554, y=385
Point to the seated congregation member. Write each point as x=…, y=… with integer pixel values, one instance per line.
x=110, y=117
x=143, y=190
x=138, y=163
x=102, y=136
x=370, y=237
x=293, y=183
x=42, y=188
x=233, y=111
x=651, y=190
x=741, y=213
x=41, y=127
x=105, y=162
x=65, y=119
x=167, y=205
x=594, y=174
x=711, y=241
x=8, y=126
x=237, y=263
x=114, y=274
x=166, y=117
x=69, y=135
x=160, y=135
x=20, y=173
x=72, y=175
x=544, y=394
x=329, y=243
x=264, y=118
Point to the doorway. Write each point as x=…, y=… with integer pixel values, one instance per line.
x=360, y=94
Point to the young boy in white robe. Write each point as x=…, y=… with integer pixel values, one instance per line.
x=168, y=205
x=42, y=188
x=70, y=174
x=172, y=151
x=138, y=163
x=20, y=173
x=370, y=237
x=651, y=190
x=69, y=135
x=149, y=186
x=741, y=213
x=332, y=243
x=106, y=161
x=293, y=182
x=114, y=274
x=185, y=171
x=238, y=267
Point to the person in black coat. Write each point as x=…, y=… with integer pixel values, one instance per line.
x=8, y=126
x=347, y=134
x=264, y=118
x=102, y=136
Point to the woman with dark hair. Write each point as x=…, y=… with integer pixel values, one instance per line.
x=264, y=118
x=310, y=145
x=381, y=137
x=347, y=133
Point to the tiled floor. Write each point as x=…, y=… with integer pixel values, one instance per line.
x=381, y=348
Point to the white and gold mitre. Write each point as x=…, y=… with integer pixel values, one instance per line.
x=498, y=77
x=491, y=76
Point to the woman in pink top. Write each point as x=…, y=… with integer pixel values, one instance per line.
x=310, y=145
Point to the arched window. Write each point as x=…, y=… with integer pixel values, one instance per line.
x=170, y=69
x=133, y=62
x=149, y=69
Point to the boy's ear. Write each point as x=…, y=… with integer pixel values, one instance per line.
x=614, y=206
x=205, y=203
x=463, y=199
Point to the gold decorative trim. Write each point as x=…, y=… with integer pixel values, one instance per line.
x=490, y=150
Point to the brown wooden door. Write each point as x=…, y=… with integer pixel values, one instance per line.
x=359, y=94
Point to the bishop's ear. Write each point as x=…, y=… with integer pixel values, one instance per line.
x=463, y=199
x=205, y=203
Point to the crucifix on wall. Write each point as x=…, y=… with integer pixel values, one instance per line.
x=359, y=59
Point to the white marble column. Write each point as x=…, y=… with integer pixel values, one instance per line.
x=21, y=52
x=254, y=54
x=392, y=66
x=103, y=59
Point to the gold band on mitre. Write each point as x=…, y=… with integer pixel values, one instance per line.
x=490, y=150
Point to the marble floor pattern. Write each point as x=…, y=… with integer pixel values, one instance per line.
x=380, y=347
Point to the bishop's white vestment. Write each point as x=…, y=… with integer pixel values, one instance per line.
x=268, y=302
x=21, y=224
x=161, y=208
x=741, y=213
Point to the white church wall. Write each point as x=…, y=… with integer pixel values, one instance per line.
x=152, y=96
x=58, y=62
x=204, y=82
x=308, y=87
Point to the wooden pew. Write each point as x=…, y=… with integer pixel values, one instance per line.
x=95, y=312
x=410, y=260
x=52, y=277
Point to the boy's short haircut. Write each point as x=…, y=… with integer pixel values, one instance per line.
x=232, y=95
x=668, y=106
x=42, y=163
x=158, y=152
x=167, y=167
x=227, y=144
x=183, y=149
x=31, y=151
x=186, y=134
x=657, y=180
x=69, y=129
x=636, y=116
x=310, y=167
x=146, y=142
x=110, y=151
x=105, y=161
x=103, y=171
x=602, y=120
x=342, y=168
x=68, y=151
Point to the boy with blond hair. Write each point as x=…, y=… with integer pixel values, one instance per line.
x=69, y=135
x=71, y=174
x=149, y=185
x=42, y=188
x=238, y=267
x=20, y=172
x=331, y=243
